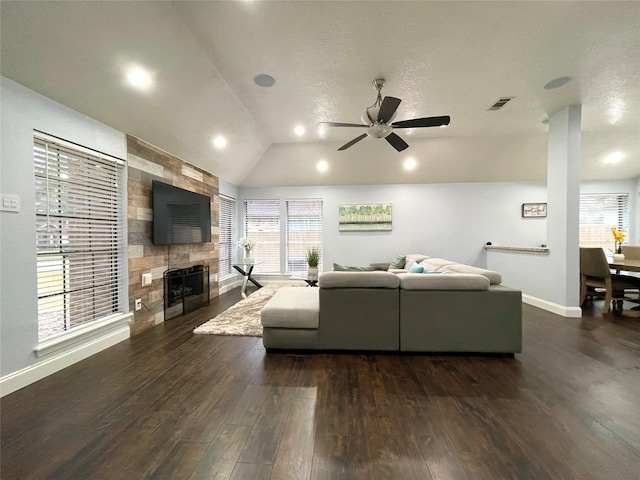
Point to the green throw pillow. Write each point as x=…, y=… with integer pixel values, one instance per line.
x=343, y=268
x=398, y=262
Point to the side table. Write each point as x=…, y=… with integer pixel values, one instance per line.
x=311, y=280
x=245, y=270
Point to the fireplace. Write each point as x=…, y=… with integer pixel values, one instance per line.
x=185, y=290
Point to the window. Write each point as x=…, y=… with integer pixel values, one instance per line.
x=304, y=230
x=262, y=224
x=598, y=213
x=227, y=236
x=79, y=234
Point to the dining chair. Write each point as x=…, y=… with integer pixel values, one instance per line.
x=631, y=252
x=595, y=272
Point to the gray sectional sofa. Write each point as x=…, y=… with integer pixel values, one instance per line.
x=449, y=308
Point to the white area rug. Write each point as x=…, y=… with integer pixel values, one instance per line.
x=243, y=318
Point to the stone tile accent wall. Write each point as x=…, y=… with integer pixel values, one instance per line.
x=147, y=163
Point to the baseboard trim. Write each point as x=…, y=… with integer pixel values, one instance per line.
x=569, y=312
x=20, y=379
x=229, y=286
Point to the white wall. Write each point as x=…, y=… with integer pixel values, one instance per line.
x=452, y=221
x=23, y=111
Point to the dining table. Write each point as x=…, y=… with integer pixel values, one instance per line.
x=628, y=265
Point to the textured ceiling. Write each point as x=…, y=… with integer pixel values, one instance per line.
x=440, y=58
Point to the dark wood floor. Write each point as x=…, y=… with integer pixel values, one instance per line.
x=168, y=404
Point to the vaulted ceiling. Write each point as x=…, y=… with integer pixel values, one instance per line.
x=440, y=58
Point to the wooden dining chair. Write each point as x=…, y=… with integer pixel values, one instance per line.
x=595, y=272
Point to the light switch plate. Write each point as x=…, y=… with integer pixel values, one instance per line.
x=10, y=203
x=146, y=279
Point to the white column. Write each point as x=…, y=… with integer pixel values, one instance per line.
x=563, y=198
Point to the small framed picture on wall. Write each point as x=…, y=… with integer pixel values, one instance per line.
x=533, y=210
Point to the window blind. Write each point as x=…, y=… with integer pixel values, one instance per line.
x=227, y=244
x=304, y=230
x=79, y=234
x=598, y=213
x=262, y=225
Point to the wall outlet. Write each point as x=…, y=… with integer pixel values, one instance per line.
x=138, y=304
x=10, y=203
x=146, y=279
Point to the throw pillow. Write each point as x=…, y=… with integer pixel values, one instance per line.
x=380, y=266
x=415, y=268
x=398, y=262
x=344, y=268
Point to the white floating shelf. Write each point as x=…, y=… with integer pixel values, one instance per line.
x=539, y=250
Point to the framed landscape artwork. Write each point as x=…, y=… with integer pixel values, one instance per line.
x=530, y=210
x=373, y=217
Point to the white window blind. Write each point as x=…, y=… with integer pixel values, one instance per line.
x=227, y=236
x=79, y=234
x=262, y=225
x=304, y=230
x=598, y=213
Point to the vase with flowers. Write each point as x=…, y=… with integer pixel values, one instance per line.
x=247, y=245
x=618, y=236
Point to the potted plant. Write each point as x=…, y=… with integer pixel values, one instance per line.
x=618, y=236
x=313, y=257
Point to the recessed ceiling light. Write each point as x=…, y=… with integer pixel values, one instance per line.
x=219, y=141
x=410, y=164
x=612, y=158
x=138, y=77
x=264, y=80
x=322, y=166
x=556, y=83
x=299, y=130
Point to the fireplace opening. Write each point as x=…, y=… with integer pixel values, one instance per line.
x=185, y=290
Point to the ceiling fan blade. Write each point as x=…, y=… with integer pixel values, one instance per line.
x=396, y=142
x=352, y=142
x=388, y=108
x=338, y=124
x=423, y=122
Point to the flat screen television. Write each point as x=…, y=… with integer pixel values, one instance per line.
x=180, y=216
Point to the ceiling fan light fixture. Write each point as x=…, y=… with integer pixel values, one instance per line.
x=370, y=115
x=379, y=130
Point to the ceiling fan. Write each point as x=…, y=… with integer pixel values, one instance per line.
x=378, y=117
